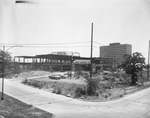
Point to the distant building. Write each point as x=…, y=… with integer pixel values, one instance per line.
x=116, y=51
x=82, y=64
x=66, y=53
x=103, y=63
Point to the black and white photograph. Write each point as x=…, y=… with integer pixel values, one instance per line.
x=74, y=58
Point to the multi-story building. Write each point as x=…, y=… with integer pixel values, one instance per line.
x=57, y=61
x=103, y=63
x=115, y=51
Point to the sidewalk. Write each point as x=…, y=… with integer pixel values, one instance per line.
x=131, y=106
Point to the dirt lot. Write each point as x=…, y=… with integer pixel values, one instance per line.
x=110, y=87
x=44, y=76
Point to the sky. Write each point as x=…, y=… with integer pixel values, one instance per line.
x=45, y=26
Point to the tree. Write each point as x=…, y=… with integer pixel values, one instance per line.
x=5, y=62
x=92, y=85
x=133, y=64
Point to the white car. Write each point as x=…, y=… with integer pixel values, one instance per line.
x=56, y=77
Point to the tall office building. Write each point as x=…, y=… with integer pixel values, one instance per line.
x=115, y=51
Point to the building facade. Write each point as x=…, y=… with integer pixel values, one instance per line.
x=57, y=61
x=103, y=63
x=116, y=51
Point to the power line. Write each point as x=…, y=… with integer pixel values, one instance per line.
x=50, y=45
x=98, y=43
x=44, y=43
x=53, y=46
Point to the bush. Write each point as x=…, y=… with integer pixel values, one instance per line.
x=79, y=72
x=25, y=81
x=34, y=83
x=116, y=75
x=57, y=90
x=92, y=85
x=107, y=85
x=79, y=92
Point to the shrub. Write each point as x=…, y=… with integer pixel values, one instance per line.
x=78, y=72
x=92, y=85
x=106, y=77
x=57, y=90
x=34, y=83
x=25, y=81
x=86, y=76
x=116, y=75
x=107, y=85
x=106, y=96
x=79, y=92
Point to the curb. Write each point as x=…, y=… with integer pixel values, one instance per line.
x=53, y=116
x=1, y=116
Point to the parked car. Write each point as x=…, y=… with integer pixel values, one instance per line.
x=106, y=72
x=63, y=76
x=56, y=77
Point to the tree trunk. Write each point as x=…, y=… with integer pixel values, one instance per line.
x=133, y=78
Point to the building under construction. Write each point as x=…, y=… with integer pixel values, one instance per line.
x=62, y=61
x=56, y=61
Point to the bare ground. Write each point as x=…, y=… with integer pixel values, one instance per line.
x=68, y=86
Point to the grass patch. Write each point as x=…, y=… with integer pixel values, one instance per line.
x=105, y=89
x=13, y=108
x=100, y=88
x=57, y=87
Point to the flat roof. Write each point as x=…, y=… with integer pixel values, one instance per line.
x=26, y=56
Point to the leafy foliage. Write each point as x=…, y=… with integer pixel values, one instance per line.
x=92, y=85
x=5, y=61
x=7, y=58
x=133, y=64
x=79, y=92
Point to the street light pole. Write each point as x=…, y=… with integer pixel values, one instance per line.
x=3, y=68
x=3, y=72
x=148, y=61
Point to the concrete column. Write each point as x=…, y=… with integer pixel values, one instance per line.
x=61, y=65
x=19, y=63
x=32, y=63
x=24, y=63
x=40, y=60
x=36, y=63
x=46, y=60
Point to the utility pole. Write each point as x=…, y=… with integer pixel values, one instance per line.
x=91, y=50
x=3, y=67
x=148, y=61
x=71, y=64
x=3, y=72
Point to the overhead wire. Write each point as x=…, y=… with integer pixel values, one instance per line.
x=98, y=43
x=44, y=43
x=51, y=45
